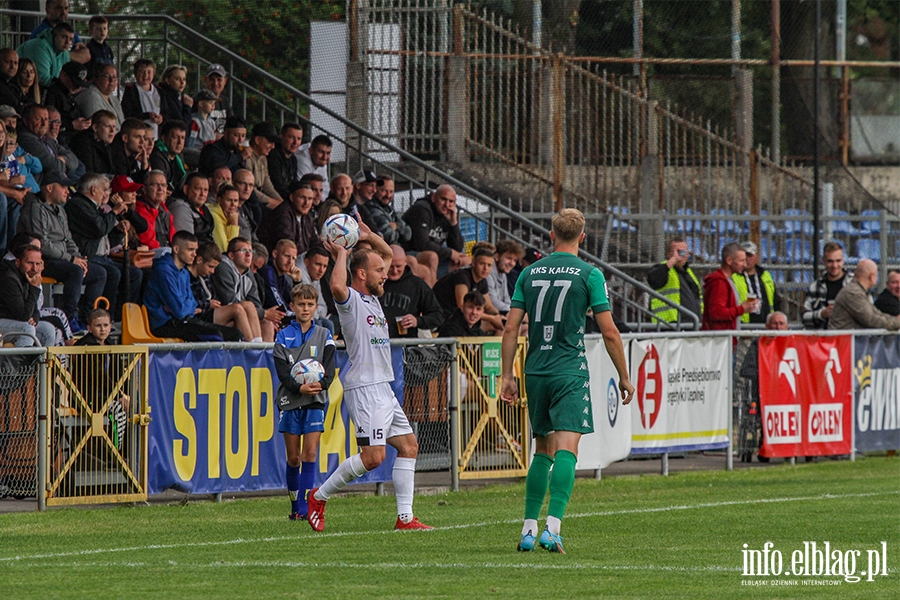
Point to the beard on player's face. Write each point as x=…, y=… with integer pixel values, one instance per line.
x=374, y=287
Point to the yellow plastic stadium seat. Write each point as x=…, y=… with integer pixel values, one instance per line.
x=136, y=326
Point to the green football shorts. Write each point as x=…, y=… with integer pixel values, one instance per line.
x=559, y=403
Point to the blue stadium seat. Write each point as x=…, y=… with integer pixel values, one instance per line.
x=767, y=252
x=801, y=224
x=618, y=225
x=472, y=229
x=868, y=248
x=870, y=227
x=802, y=276
x=845, y=227
x=698, y=248
x=797, y=251
x=770, y=227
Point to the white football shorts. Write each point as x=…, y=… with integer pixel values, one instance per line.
x=376, y=413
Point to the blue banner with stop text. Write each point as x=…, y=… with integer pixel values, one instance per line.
x=876, y=389
x=214, y=426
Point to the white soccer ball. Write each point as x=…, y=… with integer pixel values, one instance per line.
x=341, y=230
x=308, y=370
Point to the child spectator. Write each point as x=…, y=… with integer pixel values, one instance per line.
x=19, y=163
x=303, y=406
x=99, y=326
x=466, y=321
x=141, y=99
x=101, y=53
x=203, y=127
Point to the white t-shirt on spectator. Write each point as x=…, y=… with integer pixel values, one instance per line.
x=305, y=165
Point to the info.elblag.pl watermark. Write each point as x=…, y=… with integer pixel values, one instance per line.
x=813, y=564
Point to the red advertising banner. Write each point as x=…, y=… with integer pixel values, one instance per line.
x=805, y=391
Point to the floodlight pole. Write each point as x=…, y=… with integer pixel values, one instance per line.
x=815, y=239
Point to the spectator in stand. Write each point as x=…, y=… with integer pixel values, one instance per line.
x=721, y=309
x=392, y=228
x=292, y=220
x=466, y=321
x=314, y=158
x=282, y=159
x=329, y=208
x=229, y=151
x=50, y=51
x=220, y=176
x=152, y=207
x=189, y=209
x=341, y=189
x=250, y=213
x=263, y=140
x=280, y=274
x=19, y=311
x=233, y=282
x=225, y=213
x=452, y=287
x=16, y=183
x=101, y=95
x=130, y=153
x=94, y=215
x=240, y=316
x=35, y=124
x=101, y=53
x=505, y=258
x=437, y=241
x=53, y=131
x=127, y=188
x=46, y=218
x=141, y=99
x=55, y=12
x=363, y=192
x=60, y=94
x=175, y=105
x=313, y=268
x=674, y=279
x=409, y=303
x=93, y=147
x=820, y=297
x=888, y=301
x=853, y=308
x=9, y=117
x=26, y=80
x=203, y=127
x=166, y=154
x=215, y=82
x=170, y=302
x=758, y=283
x=316, y=182
x=9, y=65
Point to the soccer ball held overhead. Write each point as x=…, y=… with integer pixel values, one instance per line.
x=341, y=230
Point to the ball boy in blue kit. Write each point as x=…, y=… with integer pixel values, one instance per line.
x=302, y=406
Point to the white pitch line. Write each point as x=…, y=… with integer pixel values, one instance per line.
x=627, y=511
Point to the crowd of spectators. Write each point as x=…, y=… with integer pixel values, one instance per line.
x=99, y=177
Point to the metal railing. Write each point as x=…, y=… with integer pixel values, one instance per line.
x=166, y=39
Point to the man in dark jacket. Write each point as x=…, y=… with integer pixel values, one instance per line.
x=291, y=220
x=60, y=94
x=33, y=139
x=408, y=302
x=189, y=209
x=166, y=155
x=889, y=300
x=93, y=216
x=436, y=237
x=20, y=281
x=228, y=151
x=129, y=152
x=281, y=160
x=93, y=147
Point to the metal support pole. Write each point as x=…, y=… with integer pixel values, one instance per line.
x=43, y=441
x=536, y=23
x=816, y=158
x=637, y=35
x=776, y=81
x=453, y=406
x=735, y=34
x=598, y=474
x=379, y=488
x=664, y=465
x=729, y=451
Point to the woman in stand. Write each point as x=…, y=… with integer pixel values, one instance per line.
x=175, y=103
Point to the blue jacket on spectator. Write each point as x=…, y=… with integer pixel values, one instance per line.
x=168, y=295
x=32, y=165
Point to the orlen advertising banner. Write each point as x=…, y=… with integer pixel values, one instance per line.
x=876, y=388
x=682, y=394
x=611, y=440
x=805, y=395
x=214, y=424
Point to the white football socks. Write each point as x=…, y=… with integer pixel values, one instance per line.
x=530, y=526
x=553, y=524
x=404, y=476
x=346, y=472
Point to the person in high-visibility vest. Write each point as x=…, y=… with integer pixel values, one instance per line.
x=674, y=279
x=756, y=282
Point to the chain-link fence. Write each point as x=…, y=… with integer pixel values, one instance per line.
x=19, y=404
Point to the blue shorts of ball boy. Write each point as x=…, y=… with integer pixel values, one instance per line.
x=302, y=420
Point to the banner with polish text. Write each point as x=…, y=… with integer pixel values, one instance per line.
x=805, y=393
x=682, y=394
x=611, y=440
x=876, y=389
x=214, y=425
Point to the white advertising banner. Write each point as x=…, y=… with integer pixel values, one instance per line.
x=682, y=394
x=611, y=440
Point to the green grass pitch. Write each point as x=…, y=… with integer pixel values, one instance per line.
x=626, y=537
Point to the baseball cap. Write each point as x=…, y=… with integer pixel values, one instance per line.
x=365, y=176
x=532, y=255
x=235, y=122
x=204, y=95
x=749, y=248
x=7, y=111
x=49, y=177
x=215, y=69
x=266, y=130
x=77, y=72
x=124, y=183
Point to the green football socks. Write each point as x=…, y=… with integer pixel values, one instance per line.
x=536, y=485
x=561, y=481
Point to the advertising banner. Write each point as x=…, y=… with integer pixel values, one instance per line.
x=611, y=440
x=683, y=394
x=876, y=389
x=214, y=425
x=805, y=395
